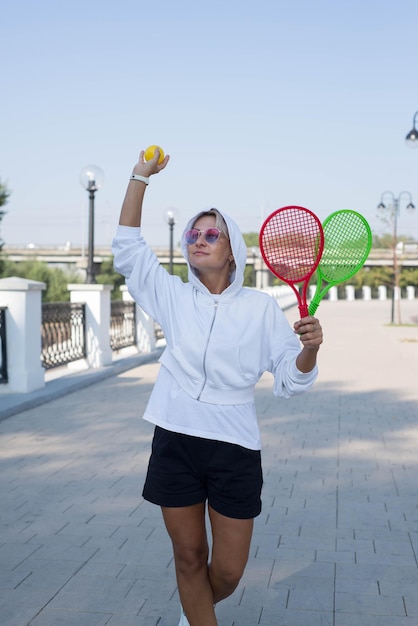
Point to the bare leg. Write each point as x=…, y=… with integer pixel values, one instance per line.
x=231, y=545
x=187, y=530
x=200, y=585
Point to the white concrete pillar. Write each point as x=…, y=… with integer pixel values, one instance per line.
x=397, y=291
x=145, y=333
x=383, y=292
x=333, y=293
x=410, y=292
x=23, y=299
x=97, y=300
x=350, y=292
x=367, y=292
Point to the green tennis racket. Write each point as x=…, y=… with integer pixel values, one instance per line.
x=347, y=243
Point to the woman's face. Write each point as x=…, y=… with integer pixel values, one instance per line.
x=209, y=257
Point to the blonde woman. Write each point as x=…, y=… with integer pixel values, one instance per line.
x=221, y=337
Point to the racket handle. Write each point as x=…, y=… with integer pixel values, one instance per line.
x=303, y=310
x=313, y=307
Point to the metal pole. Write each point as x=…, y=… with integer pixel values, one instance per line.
x=395, y=265
x=171, y=225
x=90, y=278
x=395, y=207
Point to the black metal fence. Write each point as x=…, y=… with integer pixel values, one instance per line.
x=3, y=347
x=63, y=333
x=122, y=324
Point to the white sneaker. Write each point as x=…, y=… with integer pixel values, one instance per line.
x=183, y=619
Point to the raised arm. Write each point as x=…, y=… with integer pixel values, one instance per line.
x=131, y=211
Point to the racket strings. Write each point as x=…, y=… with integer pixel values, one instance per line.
x=347, y=245
x=291, y=243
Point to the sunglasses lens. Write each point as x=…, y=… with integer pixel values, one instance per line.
x=191, y=236
x=212, y=235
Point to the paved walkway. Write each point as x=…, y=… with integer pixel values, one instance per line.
x=335, y=545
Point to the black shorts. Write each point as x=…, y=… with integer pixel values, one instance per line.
x=185, y=470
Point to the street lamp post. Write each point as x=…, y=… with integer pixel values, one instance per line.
x=393, y=205
x=255, y=253
x=91, y=178
x=170, y=217
x=412, y=137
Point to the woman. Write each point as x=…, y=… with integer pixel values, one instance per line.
x=220, y=337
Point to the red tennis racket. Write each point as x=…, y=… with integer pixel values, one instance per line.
x=291, y=244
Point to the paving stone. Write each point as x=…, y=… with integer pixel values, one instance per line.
x=56, y=617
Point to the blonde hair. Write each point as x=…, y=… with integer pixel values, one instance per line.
x=219, y=220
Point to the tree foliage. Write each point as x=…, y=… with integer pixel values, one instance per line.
x=251, y=240
x=4, y=196
x=386, y=240
x=108, y=276
x=56, y=279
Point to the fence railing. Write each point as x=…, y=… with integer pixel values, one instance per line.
x=64, y=337
x=3, y=347
x=122, y=324
x=90, y=327
x=63, y=333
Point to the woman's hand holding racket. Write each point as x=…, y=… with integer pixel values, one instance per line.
x=309, y=331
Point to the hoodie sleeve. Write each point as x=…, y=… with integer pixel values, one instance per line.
x=148, y=282
x=291, y=381
x=284, y=348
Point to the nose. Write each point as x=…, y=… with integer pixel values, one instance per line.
x=201, y=238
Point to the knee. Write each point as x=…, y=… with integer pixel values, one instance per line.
x=227, y=576
x=190, y=561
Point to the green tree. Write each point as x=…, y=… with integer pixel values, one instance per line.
x=386, y=240
x=108, y=276
x=56, y=279
x=251, y=240
x=409, y=276
x=4, y=196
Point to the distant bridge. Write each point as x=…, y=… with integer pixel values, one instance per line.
x=67, y=256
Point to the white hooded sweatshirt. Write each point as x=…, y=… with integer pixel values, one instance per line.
x=218, y=346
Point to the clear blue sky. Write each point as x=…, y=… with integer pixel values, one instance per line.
x=260, y=105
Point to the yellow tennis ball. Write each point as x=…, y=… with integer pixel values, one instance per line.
x=150, y=151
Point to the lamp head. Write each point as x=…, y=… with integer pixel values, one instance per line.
x=91, y=177
x=412, y=137
x=171, y=216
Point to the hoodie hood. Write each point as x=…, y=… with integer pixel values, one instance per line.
x=238, y=247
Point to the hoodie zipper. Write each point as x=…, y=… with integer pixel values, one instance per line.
x=206, y=349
